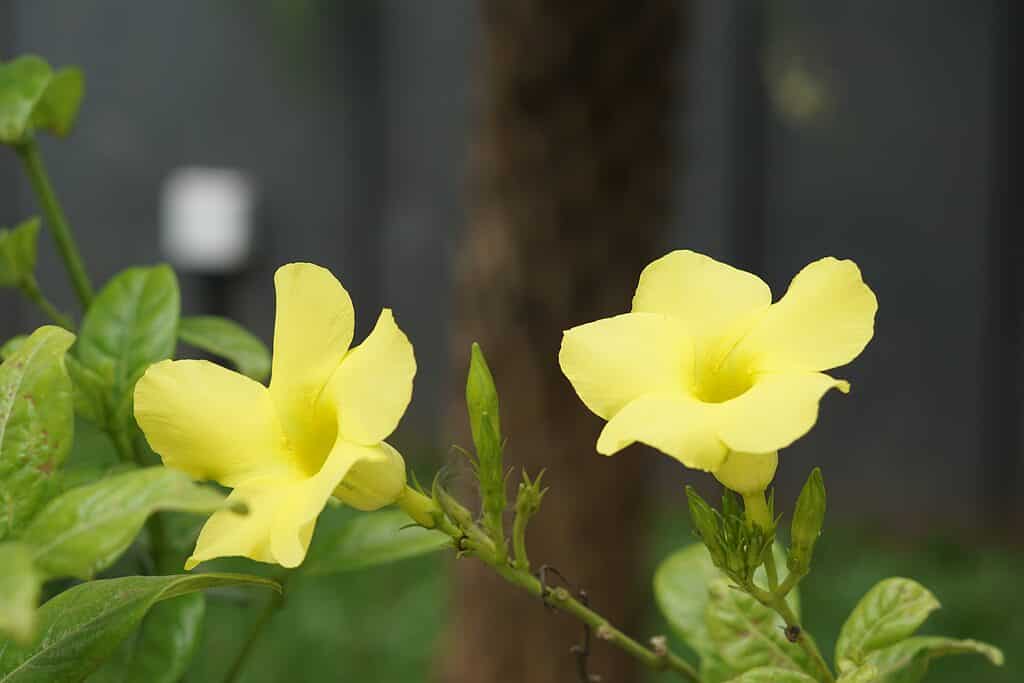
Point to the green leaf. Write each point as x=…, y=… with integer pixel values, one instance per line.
x=162, y=648
x=746, y=634
x=86, y=529
x=18, y=252
x=372, y=539
x=132, y=323
x=57, y=109
x=907, y=661
x=83, y=626
x=891, y=611
x=228, y=339
x=771, y=674
x=866, y=673
x=11, y=345
x=23, y=82
x=19, y=591
x=681, y=589
x=36, y=425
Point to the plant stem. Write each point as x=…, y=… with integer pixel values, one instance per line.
x=522, y=560
x=28, y=152
x=804, y=639
x=30, y=288
x=757, y=510
x=269, y=611
x=559, y=598
x=772, y=572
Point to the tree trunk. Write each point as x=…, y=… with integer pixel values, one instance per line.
x=572, y=183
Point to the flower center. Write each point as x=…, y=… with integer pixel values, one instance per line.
x=722, y=383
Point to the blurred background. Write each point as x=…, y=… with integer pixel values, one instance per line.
x=503, y=170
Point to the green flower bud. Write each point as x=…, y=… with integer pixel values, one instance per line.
x=808, y=518
x=374, y=483
x=706, y=524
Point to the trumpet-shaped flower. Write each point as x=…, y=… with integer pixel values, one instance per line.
x=317, y=431
x=709, y=371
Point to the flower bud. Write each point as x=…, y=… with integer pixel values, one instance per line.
x=808, y=518
x=747, y=473
x=374, y=483
x=705, y=522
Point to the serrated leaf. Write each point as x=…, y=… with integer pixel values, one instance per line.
x=18, y=252
x=372, y=539
x=84, y=625
x=907, y=661
x=36, y=425
x=681, y=585
x=746, y=634
x=57, y=109
x=161, y=649
x=229, y=340
x=771, y=674
x=132, y=323
x=891, y=611
x=19, y=591
x=23, y=81
x=86, y=529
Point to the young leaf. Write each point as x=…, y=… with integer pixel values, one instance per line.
x=132, y=323
x=57, y=109
x=19, y=592
x=228, y=339
x=907, y=661
x=748, y=635
x=36, y=425
x=772, y=674
x=162, y=648
x=11, y=345
x=889, y=612
x=681, y=591
x=22, y=83
x=84, y=530
x=866, y=673
x=84, y=625
x=372, y=539
x=18, y=252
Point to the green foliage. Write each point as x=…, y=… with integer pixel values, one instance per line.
x=19, y=591
x=228, y=339
x=11, y=345
x=18, y=252
x=907, y=661
x=745, y=634
x=808, y=518
x=771, y=674
x=161, y=650
x=132, y=324
x=86, y=624
x=889, y=612
x=737, y=547
x=862, y=674
x=36, y=425
x=33, y=96
x=84, y=530
x=878, y=634
x=372, y=539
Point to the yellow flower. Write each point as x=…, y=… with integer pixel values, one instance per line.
x=709, y=371
x=317, y=431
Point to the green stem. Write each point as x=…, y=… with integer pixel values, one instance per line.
x=790, y=582
x=804, y=639
x=30, y=288
x=559, y=598
x=33, y=163
x=772, y=572
x=270, y=610
x=519, y=540
x=757, y=509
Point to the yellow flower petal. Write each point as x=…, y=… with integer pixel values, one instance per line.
x=613, y=361
x=312, y=332
x=775, y=412
x=675, y=424
x=709, y=297
x=747, y=473
x=825, y=320
x=376, y=480
x=371, y=389
x=210, y=422
x=282, y=513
